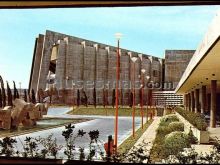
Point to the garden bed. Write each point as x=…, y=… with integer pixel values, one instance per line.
x=199, y=128
x=170, y=139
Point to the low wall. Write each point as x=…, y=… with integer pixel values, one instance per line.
x=202, y=136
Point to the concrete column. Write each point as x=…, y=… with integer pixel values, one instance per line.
x=196, y=100
x=203, y=103
x=189, y=101
x=185, y=101
x=213, y=104
x=192, y=102
x=61, y=66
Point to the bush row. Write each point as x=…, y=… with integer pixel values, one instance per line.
x=196, y=119
x=170, y=138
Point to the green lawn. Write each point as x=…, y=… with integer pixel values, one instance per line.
x=122, y=111
x=130, y=141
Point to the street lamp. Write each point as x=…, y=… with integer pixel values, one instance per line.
x=67, y=78
x=151, y=100
x=118, y=37
x=133, y=59
x=142, y=95
x=147, y=77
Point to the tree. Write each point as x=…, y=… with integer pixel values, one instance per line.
x=94, y=97
x=84, y=99
x=33, y=98
x=130, y=99
x=9, y=95
x=17, y=94
x=38, y=96
x=121, y=96
x=0, y=98
x=25, y=95
x=78, y=98
x=113, y=98
x=104, y=98
x=3, y=92
x=150, y=98
x=50, y=93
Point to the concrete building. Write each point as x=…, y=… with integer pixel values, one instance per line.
x=176, y=62
x=200, y=81
x=70, y=63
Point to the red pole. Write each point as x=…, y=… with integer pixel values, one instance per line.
x=147, y=109
x=151, y=115
x=133, y=114
x=116, y=101
x=142, y=95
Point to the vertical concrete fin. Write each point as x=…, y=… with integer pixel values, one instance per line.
x=140, y=56
x=32, y=67
x=41, y=52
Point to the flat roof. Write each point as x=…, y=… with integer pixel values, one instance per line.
x=205, y=63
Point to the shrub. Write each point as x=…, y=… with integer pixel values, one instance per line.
x=176, y=126
x=196, y=119
x=165, y=120
x=164, y=130
x=192, y=139
x=170, y=127
x=176, y=142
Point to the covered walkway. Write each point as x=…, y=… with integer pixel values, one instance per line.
x=200, y=81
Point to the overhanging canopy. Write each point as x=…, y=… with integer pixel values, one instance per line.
x=205, y=63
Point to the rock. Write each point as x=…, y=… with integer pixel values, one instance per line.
x=5, y=119
x=14, y=113
x=31, y=115
x=7, y=108
x=25, y=113
x=19, y=103
x=37, y=115
x=14, y=123
x=42, y=108
x=28, y=123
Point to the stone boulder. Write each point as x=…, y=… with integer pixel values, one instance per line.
x=23, y=113
x=5, y=118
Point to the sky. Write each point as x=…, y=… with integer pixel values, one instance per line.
x=148, y=30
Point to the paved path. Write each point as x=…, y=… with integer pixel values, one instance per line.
x=104, y=124
x=148, y=137
x=214, y=132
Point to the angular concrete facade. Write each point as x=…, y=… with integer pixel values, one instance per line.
x=77, y=63
x=176, y=62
